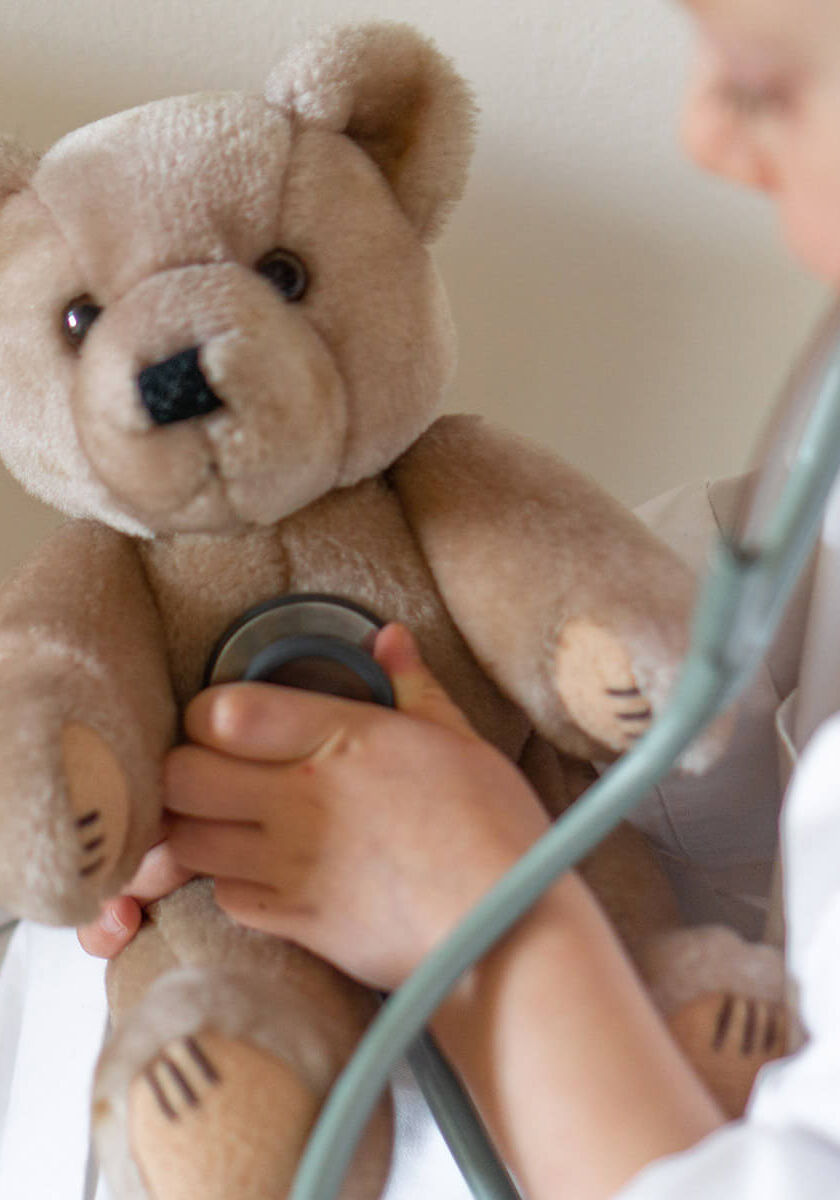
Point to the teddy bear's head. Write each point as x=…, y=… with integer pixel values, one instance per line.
x=216, y=308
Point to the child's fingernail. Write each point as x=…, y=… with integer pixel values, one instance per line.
x=224, y=718
x=110, y=922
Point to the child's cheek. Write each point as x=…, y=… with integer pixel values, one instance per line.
x=808, y=184
x=808, y=198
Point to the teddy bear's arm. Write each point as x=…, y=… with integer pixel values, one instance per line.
x=86, y=712
x=572, y=606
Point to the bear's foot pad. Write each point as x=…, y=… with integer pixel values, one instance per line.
x=728, y=1038
x=594, y=676
x=215, y=1117
x=98, y=792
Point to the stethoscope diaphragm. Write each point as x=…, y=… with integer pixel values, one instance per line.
x=316, y=642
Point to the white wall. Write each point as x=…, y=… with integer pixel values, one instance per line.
x=611, y=301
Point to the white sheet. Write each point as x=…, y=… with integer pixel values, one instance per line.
x=52, y=1020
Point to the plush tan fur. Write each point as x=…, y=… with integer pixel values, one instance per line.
x=543, y=606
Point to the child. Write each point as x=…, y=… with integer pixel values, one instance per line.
x=575, y=1074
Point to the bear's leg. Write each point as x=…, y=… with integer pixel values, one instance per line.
x=210, y=1088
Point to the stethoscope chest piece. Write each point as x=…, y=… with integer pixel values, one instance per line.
x=311, y=641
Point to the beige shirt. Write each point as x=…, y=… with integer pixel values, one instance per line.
x=717, y=834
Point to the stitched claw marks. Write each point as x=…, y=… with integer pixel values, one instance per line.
x=749, y=1027
x=630, y=708
x=179, y=1077
x=91, y=843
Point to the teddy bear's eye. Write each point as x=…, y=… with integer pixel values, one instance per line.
x=78, y=317
x=286, y=271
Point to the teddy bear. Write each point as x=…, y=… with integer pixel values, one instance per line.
x=223, y=345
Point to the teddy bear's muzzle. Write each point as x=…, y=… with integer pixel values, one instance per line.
x=176, y=389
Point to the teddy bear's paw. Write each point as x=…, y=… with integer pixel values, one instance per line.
x=727, y=1038
x=215, y=1117
x=594, y=676
x=97, y=790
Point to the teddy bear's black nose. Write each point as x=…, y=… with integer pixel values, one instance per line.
x=176, y=390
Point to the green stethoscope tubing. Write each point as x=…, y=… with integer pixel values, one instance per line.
x=460, y=1123
x=739, y=609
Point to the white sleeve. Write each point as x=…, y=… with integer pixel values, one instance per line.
x=745, y=1163
x=788, y=1144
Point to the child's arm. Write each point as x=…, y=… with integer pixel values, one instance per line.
x=573, y=1070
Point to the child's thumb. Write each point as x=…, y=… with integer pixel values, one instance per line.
x=417, y=692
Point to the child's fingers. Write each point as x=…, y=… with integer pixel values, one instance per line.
x=157, y=876
x=219, y=848
x=121, y=916
x=265, y=722
x=417, y=691
x=199, y=782
x=113, y=929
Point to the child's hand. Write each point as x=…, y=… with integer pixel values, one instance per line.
x=360, y=832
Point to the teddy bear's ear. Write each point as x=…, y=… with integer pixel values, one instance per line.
x=392, y=92
x=17, y=162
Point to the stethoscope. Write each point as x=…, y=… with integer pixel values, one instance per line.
x=324, y=642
